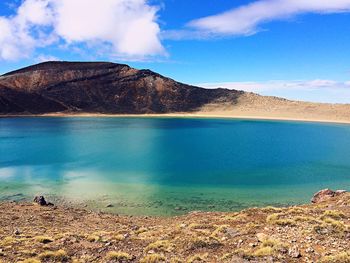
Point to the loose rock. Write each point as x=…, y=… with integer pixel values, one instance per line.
x=294, y=252
x=325, y=195
x=40, y=200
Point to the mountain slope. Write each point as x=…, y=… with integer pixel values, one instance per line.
x=100, y=87
x=109, y=88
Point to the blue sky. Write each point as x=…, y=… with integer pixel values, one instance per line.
x=291, y=48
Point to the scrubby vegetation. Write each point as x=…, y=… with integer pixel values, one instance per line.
x=309, y=233
x=119, y=256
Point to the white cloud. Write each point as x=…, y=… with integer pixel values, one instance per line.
x=246, y=19
x=127, y=27
x=23, y=32
x=44, y=58
x=34, y=12
x=310, y=90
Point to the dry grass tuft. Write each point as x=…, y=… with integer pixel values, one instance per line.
x=308, y=219
x=334, y=214
x=197, y=258
x=94, y=238
x=153, y=258
x=54, y=255
x=176, y=260
x=119, y=256
x=268, y=247
x=337, y=226
x=274, y=219
x=43, y=239
x=339, y=258
x=160, y=246
x=119, y=237
x=264, y=251
x=141, y=230
x=30, y=260
x=7, y=241
x=208, y=242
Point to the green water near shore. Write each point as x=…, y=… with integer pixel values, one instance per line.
x=169, y=166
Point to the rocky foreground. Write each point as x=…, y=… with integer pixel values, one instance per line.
x=318, y=232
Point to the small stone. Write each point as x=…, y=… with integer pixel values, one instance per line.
x=135, y=228
x=309, y=250
x=261, y=237
x=17, y=232
x=294, y=252
x=237, y=259
x=40, y=200
x=231, y=232
x=283, y=250
x=338, y=192
x=323, y=195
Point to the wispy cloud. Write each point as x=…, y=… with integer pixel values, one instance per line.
x=44, y=58
x=248, y=19
x=318, y=90
x=128, y=28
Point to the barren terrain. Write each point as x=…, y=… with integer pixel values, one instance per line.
x=316, y=232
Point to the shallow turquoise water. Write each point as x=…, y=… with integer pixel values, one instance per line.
x=166, y=166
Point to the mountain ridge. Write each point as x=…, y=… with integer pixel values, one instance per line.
x=100, y=87
x=105, y=88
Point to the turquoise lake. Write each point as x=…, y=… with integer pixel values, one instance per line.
x=168, y=166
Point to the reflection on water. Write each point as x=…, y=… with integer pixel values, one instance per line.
x=170, y=166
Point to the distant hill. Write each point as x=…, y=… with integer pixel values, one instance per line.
x=100, y=87
x=109, y=88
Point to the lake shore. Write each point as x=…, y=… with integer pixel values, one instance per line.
x=204, y=115
x=248, y=106
x=308, y=233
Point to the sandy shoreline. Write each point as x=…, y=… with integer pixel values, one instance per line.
x=248, y=106
x=203, y=115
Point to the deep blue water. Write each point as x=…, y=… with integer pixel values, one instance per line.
x=171, y=165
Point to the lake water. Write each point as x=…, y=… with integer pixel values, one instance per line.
x=167, y=166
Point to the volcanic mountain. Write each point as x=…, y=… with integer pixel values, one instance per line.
x=100, y=87
x=70, y=88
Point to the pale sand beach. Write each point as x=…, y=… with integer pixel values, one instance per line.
x=248, y=106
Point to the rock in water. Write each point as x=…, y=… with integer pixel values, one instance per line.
x=322, y=195
x=40, y=200
x=338, y=192
x=325, y=195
